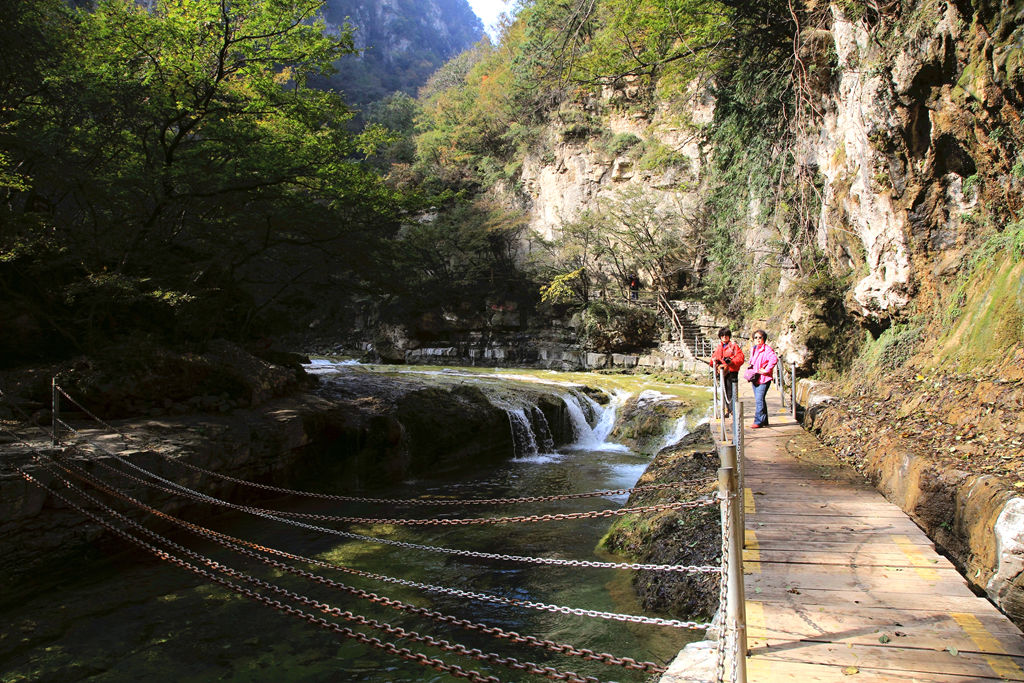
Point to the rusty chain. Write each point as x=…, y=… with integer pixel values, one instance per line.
x=613, y=616
x=401, y=521
x=178, y=489
x=387, y=501
x=405, y=653
x=241, y=546
x=511, y=662
x=723, y=595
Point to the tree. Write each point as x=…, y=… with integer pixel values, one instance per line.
x=183, y=157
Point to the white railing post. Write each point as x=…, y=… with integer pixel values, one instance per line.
x=739, y=440
x=735, y=608
x=792, y=388
x=780, y=373
x=721, y=422
x=714, y=391
x=55, y=411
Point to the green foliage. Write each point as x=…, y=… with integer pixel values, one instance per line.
x=459, y=261
x=577, y=125
x=750, y=137
x=894, y=347
x=971, y=183
x=1009, y=243
x=562, y=288
x=1018, y=168
x=660, y=157
x=668, y=41
x=180, y=151
x=402, y=45
x=622, y=235
x=396, y=114
x=612, y=146
x=615, y=328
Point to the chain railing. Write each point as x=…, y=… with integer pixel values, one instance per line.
x=732, y=648
x=732, y=644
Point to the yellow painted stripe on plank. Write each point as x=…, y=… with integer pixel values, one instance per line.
x=748, y=502
x=988, y=643
x=918, y=560
x=758, y=668
x=751, y=553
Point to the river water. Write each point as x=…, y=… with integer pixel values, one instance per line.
x=118, y=614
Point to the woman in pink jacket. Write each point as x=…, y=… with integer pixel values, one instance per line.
x=760, y=371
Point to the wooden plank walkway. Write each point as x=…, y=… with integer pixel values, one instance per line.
x=842, y=586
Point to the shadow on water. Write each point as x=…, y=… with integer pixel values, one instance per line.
x=120, y=615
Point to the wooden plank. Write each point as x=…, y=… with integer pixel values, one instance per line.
x=843, y=586
x=820, y=525
x=886, y=658
x=810, y=539
x=797, y=596
x=864, y=557
x=849, y=543
x=785, y=508
x=763, y=670
x=772, y=625
x=907, y=580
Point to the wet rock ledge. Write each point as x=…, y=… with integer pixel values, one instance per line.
x=684, y=537
x=362, y=433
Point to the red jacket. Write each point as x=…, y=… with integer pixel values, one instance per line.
x=730, y=354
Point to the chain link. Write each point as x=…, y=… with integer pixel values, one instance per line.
x=557, y=517
x=269, y=514
x=405, y=653
x=178, y=489
x=240, y=546
x=386, y=501
x=469, y=553
x=723, y=583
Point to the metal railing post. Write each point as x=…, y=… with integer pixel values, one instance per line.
x=721, y=422
x=732, y=407
x=55, y=411
x=781, y=383
x=792, y=388
x=735, y=612
x=714, y=392
x=740, y=453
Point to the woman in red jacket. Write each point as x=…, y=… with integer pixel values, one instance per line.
x=729, y=356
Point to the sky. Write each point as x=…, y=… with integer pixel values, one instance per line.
x=488, y=11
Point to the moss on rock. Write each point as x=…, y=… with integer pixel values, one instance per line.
x=683, y=537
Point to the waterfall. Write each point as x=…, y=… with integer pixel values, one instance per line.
x=594, y=438
x=679, y=430
x=542, y=429
x=524, y=442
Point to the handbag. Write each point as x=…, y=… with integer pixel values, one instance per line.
x=749, y=374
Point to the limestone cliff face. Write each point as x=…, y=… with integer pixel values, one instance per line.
x=574, y=171
x=909, y=142
x=913, y=140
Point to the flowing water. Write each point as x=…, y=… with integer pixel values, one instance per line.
x=125, y=616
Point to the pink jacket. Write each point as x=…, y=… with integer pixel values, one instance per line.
x=763, y=360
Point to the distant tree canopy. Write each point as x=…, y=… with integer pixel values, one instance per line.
x=166, y=167
x=170, y=166
x=402, y=42
x=556, y=61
